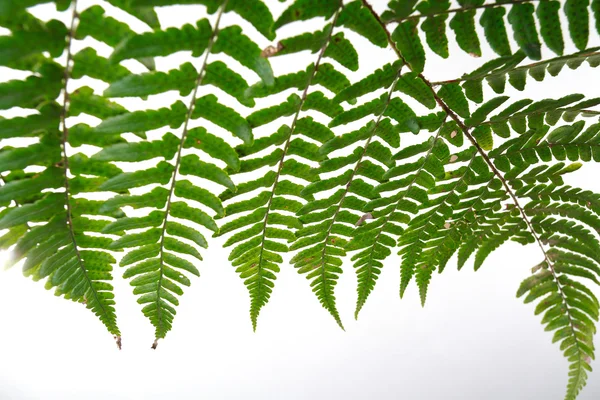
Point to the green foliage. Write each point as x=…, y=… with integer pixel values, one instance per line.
x=514, y=67
x=496, y=20
x=256, y=254
x=314, y=164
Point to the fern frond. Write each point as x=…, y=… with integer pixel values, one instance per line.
x=88, y=63
x=143, y=12
x=570, y=142
x=331, y=220
x=59, y=227
x=494, y=18
x=563, y=225
x=569, y=308
x=93, y=23
x=519, y=116
x=160, y=254
x=373, y=238
x=253, y=11
x=495, y=72
x=540, y=220
x=533, y=222
x=256, y=255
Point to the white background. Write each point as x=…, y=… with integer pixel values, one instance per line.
x=473, y=339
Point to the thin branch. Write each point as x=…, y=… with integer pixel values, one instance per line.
x=178, y=157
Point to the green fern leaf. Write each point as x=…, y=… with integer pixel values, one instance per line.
x=303, y=10
x=93, y=23
x=356, y=17
x=158, y=255
x=453, y=95
x=578, y=17
x=88, y=63
x=492, y=21
x=30, y=92
x=412, y=85
x=143, y=120
x=322, y=248
x=463, y=24
x=209, y=108
x=182, y=79
x=326, y=174
x=140, y=11
x=407, y=39
x=47, y=119
x=219, y=75
x=438, y=43
x=230, y=41
x=521, y=18
x=163, y=43
x=381, y=78
x=211, y=5
x=570, y=310
x=547, y=13
x=596, y=11
x=22, y=44
x=255, y=12
x=255, y=255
